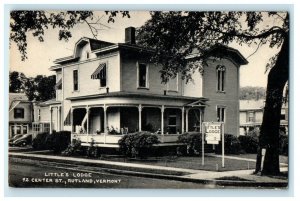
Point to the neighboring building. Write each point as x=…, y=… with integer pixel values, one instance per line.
x=107, y=88
x=251, y=115
x=20, y=114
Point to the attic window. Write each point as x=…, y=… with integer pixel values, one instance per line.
x=87, y=55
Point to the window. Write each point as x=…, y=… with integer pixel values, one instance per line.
x=220, y=114
x=19, y=113
x=251, y=116
x=172, y=119
x=87, y=55
x=172, y=84
x=221, y=78
x=103, y=77
x=46, y=127
x=142, y=75
x=39, y=114
x=35, y=127
x=18, y=129
x=75, y=80
x=100, y=73
x=25, y=130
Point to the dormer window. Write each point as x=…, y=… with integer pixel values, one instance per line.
x=221, y=78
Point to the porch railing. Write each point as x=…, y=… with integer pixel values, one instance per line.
x=108, y=139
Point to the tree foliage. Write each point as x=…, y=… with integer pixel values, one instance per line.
x=36, y=22
x=39, y=88
x=174, y=36
x=252, y=93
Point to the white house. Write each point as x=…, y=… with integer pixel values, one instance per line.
x=106, y=90
x=20, y=114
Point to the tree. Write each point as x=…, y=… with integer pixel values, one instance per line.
x=36, y=22
x=252, y=93
x=16, y=82
x=175, y=35
x=40, y=88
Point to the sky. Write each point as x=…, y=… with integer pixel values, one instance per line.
x=42, y=54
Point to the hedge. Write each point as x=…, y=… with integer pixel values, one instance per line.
x=138, y=144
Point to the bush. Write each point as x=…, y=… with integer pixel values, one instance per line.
x=193, y=141
x=92, y=150
x=138, y=144
x=73, y=149
x=249, y=144
x=232, y=145
x=39, y=142
x=58, y=141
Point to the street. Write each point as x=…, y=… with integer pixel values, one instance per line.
x=75, y=176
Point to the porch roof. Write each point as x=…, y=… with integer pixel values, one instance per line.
x=138, y=95
x=49, y=102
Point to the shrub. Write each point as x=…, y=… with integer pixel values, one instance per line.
x=92, y=150
x=138, y=144
x=249, y=144
x=73, y=149
x=58, y=141
x=39, y=142
x=232, y=145
x=193, y=140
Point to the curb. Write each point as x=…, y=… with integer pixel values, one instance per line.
x=150, y=173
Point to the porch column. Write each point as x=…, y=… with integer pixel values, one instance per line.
x=187, y=120
x=71, y=115
x=51, y=120
x=59, y=117
x=87, y=120
x=182, y=120
x=140, y=117
x=105, y=119
x=162, y=119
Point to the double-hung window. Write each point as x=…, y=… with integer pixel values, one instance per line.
x=142, y=75
x=220, y=113
x=75, y=80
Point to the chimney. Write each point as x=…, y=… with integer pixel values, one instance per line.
x=130, y=35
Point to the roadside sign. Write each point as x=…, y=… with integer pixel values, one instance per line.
x=213, y=133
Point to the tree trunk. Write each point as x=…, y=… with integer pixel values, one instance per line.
x=269, y=133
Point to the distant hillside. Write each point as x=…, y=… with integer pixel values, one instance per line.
x=252, y=93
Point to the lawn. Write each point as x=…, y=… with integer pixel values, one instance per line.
x=211, y=163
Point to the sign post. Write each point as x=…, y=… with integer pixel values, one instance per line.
x=214, y=133
x=223, y=147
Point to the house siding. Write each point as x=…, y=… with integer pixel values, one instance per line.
x=229, y=99
x=27, y=113
x=130, y=78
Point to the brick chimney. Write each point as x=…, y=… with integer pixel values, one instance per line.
x=130, y=35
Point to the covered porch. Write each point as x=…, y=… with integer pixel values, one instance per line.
x=107, y=124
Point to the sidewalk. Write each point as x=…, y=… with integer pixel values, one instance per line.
x=231, y=178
